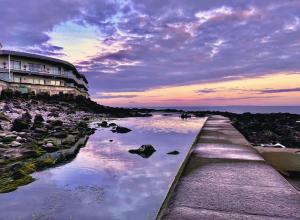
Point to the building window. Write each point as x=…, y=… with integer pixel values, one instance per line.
x=57, y=83
x=35, y=67
x=36, y=81
x=16, y=65
x=56, y=70
x=17, y=79
x=42, y=81
x=52, y=82
x=29, y=80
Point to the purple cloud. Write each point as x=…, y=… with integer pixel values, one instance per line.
x=266, y=91
x=165, y=43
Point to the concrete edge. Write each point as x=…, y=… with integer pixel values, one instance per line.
x=166, y=200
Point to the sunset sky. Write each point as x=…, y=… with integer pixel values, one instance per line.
x=167, y=52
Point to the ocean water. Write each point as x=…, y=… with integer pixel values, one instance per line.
x=239, y=109
x=105, y=181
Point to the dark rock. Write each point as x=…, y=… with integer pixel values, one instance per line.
x=53, y=114
x=82, y=125
x=38, y=118
x=27, y=117
x=112, y=124
x=86, y=118
x=144, y=151
x=175, y=152
x=20, y=124
x=60, y=134
x=110, y=140
x=185, y=115
x=55, y=123
x=103, y=124
x=7, y=108
x=120, y=129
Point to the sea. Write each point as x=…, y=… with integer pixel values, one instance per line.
x=238, y=109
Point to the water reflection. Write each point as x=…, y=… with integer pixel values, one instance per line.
x=104, y=181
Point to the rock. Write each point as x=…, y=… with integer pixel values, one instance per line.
x=175, y=152
x=6, y=108
x=55, y=123
x=27, y=117
x=3, y=117
x=49, y=145
x=185, y=115
x=120, y=129
x=112, y=125
x=53, y=114
x=103, y=124
x=82, y=125
x=38, y=119
x=86, y=118
x=144, y=151
x=110, y=140
x=19, y=139
x=19, y=124
x=8, y=138
x=15, y=144
x=60, y=134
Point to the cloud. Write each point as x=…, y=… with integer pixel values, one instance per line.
x=113, y=96
x=205, y=91
x=267, y=91
x=152, y=43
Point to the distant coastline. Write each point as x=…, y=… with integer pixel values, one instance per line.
x=238, y=109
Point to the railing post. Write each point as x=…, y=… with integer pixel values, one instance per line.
x=9, y=73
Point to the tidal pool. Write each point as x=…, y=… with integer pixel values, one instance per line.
x=104, y=181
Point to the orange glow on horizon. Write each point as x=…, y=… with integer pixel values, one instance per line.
x=246, y=91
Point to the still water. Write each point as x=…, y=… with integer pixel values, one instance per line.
x=104, y=181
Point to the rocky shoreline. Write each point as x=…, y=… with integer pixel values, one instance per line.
x=266, y=130
x=273, y=129
x=37, y=132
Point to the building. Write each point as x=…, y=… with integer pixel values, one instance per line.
x=27, y=72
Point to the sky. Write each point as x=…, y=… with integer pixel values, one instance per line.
x=167, y=52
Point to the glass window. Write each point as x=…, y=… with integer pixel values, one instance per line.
x=42, y=81
x=36, y=81
x=35, y=67
x=57, y=83
x=29, y=80
x=53, y=82
x=15, y=64
x=17, y=79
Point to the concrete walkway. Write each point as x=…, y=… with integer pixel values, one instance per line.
x=226, y=179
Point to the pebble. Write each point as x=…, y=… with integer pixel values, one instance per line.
x=15, y=144
x=49, y=145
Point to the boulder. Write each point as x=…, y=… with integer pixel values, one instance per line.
x=175, y=152
x=19, y=124
x=60, y=134
x=112, y=124
x=38, y=118
x=103, y=124
x=144, y=151
x=119, y=129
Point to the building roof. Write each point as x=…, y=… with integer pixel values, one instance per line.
x=44, y=58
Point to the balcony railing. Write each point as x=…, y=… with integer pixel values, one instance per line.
x=64, y=74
